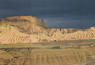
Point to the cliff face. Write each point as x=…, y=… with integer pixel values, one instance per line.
x=28, y=29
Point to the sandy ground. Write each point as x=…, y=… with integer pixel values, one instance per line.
x=28, y=56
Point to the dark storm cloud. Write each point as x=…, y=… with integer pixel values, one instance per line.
x=88, y=6
x=14, y=4
x=58, y=13
x=31, y=7
x=49, y=7
x=62, y=7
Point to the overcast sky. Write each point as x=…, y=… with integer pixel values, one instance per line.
x=57, y=13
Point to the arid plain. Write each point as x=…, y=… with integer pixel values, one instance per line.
x=25, y=40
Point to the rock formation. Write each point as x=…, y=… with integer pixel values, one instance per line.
x=28, y=29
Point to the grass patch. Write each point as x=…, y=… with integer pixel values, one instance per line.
x=89, y=44
x=36, y=46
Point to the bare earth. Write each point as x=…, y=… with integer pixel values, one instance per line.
x=29, y=29
x=29, y=56
x=55, y=46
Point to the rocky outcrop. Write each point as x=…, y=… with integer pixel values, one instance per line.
x=28, y=29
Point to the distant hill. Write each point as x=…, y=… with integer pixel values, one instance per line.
x=28, y=29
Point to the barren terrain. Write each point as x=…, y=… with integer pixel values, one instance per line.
x=29, y=56
x=25, y=40
x=29, y=29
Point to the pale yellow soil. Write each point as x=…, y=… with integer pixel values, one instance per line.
x=28, y=29
x=28, y=56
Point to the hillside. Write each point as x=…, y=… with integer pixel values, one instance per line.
x=28, y=29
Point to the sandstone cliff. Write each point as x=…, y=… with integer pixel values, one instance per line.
x=28, y=29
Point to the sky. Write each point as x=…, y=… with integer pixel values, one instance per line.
x=56, y=13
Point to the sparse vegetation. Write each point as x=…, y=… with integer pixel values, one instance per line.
x=39, y=46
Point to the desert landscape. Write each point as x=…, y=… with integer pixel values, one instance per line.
x=25, y=40
x=29, y=29
x=28, y=56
